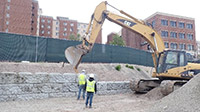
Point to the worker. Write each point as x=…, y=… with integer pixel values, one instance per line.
x=91, y=88
x=81, y=84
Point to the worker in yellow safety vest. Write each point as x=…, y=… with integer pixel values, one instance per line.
x=81, y=84
x=91, y=88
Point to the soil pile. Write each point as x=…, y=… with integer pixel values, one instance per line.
x=184, y=99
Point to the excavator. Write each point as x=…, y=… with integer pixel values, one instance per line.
x=171, y=66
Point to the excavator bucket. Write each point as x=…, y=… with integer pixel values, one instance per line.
x=74, y=55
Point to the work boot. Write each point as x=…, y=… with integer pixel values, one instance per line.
x=86, y=106
x=90, y=106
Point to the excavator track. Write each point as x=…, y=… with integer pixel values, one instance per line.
x=146, y=85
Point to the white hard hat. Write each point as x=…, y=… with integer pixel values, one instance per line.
x=92, y=75
x=83, y=70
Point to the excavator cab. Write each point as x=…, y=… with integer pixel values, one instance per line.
x=171, y=59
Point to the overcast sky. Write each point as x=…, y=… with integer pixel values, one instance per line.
x=81, y=10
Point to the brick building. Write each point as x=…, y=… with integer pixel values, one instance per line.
x=133, y=39
x=19, y=16
x=67, y=27
x=178, y=32
x=46, y=24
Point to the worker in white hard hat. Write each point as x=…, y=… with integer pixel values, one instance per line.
x=91, y=88
x=81, y=84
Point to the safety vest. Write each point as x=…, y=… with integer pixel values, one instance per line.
x=90, y=86
x=81, y=79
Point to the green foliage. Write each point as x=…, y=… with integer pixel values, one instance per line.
x=138, y=69
x=73, y=37
x=131, y=67
x=118, y=67
x=117, y=40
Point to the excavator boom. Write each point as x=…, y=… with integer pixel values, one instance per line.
x=75, y=53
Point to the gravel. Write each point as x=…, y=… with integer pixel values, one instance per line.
x=185, y=99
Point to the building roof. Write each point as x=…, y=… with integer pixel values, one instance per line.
x=171, y=15
x=46, y=16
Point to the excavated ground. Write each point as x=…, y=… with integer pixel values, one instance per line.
x=104, y=72
x=185, y=99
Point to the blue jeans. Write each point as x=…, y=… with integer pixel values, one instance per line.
x=89, y=97
x=81, y=87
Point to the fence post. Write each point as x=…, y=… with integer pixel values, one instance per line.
x=36, y=49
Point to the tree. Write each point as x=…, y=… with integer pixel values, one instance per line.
x=117, y=40
x=72, y=37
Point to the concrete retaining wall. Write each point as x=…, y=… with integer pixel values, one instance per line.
x=28, y=86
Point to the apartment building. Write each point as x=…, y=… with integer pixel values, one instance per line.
x=177, y=32
x=19, y=16
x=46, y=24
x=82, y=28
x=67, y=27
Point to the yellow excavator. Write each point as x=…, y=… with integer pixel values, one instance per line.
x=170, y=65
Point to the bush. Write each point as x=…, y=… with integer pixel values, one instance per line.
x=118, y=67
x=138, y=69
x=131, y=67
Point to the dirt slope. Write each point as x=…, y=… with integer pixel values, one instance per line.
x=104, y=72
x=185, y=99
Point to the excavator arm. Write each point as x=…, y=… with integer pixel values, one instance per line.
x=74, y=54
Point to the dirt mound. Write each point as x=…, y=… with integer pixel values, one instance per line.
x=185, y=99
x=104, y=71
x=154, y=94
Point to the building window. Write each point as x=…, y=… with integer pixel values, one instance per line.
x=173, y=46
x=164, y=33
x=7, y=15
x=31, y=28
x=48, y=21
x=48, y=27
x=182, y=46
x=65, y=29
x=43, y=20
x=32, y=14
x=166, y=44
x=57, y=23
x=42, y=31
x=8, y=7
x=189, y=26
x=72, y=24
x=181, y=25
x=8, y=0
x=173, y=34
x=42, y=26
x=172, y=23
x=65, y=24
x=181, y=35
x=190, y=47
x=71, y=29
x=189, y=36
x=7, y=30
x=7, y=22
x=64, y=34
x=48, y=32
x=164, y=22
x=57, y=28
x=57, y=34
x=32, y=21
x=153, y=24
